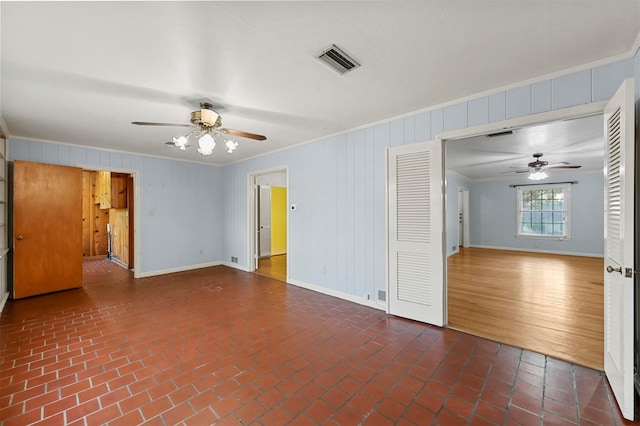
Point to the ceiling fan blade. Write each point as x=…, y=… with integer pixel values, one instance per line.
x=562, y=167
x=517, y=171
x=147, y=123
x=243, y=134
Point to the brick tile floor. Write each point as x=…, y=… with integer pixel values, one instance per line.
x=219, y=346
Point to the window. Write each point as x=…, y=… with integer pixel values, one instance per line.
x=543, y=211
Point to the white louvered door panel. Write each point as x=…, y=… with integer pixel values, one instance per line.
x=619, y=251
x=416, y=271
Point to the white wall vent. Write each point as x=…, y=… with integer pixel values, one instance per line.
x=337, y=59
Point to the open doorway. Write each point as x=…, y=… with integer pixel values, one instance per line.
x=532, y=273
x=107, y=225
x=269, y=237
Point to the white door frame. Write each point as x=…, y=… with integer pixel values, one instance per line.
x=137, y=259
x=465, y=216
x=252, y=230
x=585, y=110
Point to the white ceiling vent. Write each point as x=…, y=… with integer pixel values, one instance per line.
x=337, y=59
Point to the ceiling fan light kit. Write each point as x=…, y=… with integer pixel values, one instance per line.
x=536, y=169
x=209, y=130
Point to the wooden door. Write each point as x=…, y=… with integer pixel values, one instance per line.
x=619, y=247
x=47, y=228
x=416, y=268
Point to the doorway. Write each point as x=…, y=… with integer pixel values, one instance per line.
x=269, y=226
x=108, y=230
x=527, y=288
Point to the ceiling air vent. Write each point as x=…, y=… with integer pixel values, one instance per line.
x=337, y=59
x=505, y=133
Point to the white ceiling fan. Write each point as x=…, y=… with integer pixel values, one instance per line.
x=208, y=124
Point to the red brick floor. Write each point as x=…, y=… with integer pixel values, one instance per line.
x=219, y=346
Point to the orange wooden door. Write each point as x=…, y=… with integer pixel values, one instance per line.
x=47, y=228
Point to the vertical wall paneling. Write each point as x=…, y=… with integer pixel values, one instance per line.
x=571, y=90
x=51, y=153
x=35, y=152
x=397, y=132
x=359, y=236
x=518, y=102
x=437, y=122
x=422, y=127
x=455, y=117
x=378, y=206
x=369, y=224
x=409, y=125
x=341, y=214
x=605, y=77
x=541, y=97
x=497, y=107
x=350, y=209
x=478, y=111
x=363, y=169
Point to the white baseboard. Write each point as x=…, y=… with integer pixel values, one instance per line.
x=178, y=269
x=564, y=253
x=453, y=252
x=235, y=266
x=3, y=301
x=338, y=294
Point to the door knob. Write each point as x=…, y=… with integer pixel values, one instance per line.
x=611, y=269
x=19, y=237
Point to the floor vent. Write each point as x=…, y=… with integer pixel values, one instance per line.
x=337, y=59
x=382, y=295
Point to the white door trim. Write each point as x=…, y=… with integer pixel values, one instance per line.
x=252, y=243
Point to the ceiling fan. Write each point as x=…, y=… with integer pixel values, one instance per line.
x=208, y=130
x=537, y=167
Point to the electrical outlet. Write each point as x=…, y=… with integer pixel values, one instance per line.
x=234, y=259
x=324, y=269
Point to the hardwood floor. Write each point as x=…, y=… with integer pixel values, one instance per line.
x=273, y=267
x=549, y=304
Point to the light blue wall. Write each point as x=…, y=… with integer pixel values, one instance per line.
x=453, y=183
x=181, y=215
x=492, y=207
x=339, y=182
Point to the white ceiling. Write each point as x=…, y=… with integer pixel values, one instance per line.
x=579, y=142
x=80, y=72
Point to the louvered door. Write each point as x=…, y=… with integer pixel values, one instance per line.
x=619, y=240
x=416, y=269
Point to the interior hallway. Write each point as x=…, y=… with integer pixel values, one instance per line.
x=222, y=346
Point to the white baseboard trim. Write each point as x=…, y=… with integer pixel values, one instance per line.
x=453, y=252
x=564, y=253
x=3, y=301
x=338, y=294
x=236, y=266
x=178, y=269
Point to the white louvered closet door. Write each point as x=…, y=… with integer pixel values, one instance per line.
x=416, y=271
x=619, y=247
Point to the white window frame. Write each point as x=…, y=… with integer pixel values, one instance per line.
x=566, y=187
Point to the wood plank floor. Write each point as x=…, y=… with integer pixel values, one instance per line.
x=273, y=267
x=549, y=304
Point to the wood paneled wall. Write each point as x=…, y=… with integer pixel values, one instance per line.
x=94, y=219
x=119, y=219
x=104, y=201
